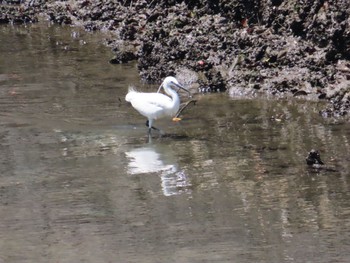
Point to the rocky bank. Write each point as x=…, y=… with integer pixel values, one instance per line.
x=244, y=47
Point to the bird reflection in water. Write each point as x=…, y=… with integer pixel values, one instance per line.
x=147, y=160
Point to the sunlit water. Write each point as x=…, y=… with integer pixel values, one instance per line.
x=81, y=182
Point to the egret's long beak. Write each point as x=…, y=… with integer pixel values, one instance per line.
x=181, y=87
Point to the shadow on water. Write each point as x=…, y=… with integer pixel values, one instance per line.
x=81, y=181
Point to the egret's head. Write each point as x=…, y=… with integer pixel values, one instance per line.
x=171, y=81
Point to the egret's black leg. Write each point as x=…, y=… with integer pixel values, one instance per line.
x=151, y=127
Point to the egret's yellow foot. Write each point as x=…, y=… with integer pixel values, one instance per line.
x=176, y=119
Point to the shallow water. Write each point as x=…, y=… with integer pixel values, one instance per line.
x=81, y=182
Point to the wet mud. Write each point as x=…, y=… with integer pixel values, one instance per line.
x=276, y=47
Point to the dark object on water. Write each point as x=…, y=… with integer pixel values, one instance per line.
x=314, y=158
x=315, y=163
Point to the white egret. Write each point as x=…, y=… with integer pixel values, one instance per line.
x=156, y=105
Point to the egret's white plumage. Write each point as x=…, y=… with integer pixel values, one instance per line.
x=156, y=105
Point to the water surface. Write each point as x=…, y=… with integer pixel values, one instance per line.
x=81, y=182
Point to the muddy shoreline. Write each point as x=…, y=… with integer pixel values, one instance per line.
x=282, y=48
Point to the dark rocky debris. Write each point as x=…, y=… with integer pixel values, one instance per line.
x=314, y=158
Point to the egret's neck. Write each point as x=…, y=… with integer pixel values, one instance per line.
x=173, y=94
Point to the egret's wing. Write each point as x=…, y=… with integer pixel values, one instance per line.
x=150, y=105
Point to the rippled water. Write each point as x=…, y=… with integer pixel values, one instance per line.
x=81, y=182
